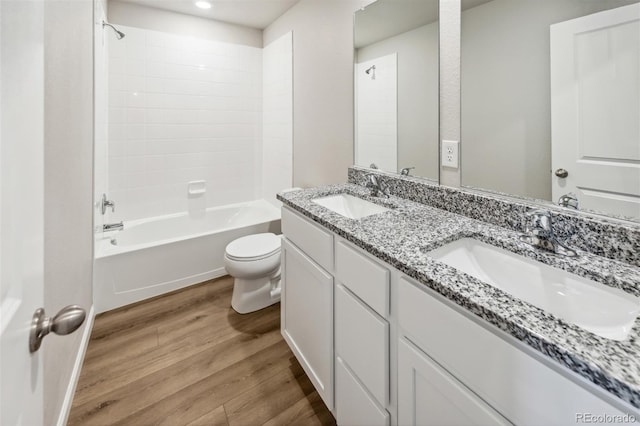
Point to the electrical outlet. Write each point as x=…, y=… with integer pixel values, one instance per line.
x=450, y=154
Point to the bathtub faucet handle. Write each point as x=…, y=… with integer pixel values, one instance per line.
x=107, y=203
x=113, y=227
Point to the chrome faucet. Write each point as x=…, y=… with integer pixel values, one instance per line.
x=406, y=171
x=113, y=227
x=104, y=203
x=568, y=200
x=377, y=187
x=540, y=234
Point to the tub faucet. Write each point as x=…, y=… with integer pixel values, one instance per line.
x=113, y=227
x=107, y=203
x=568, y=200
x=540, y=234
x=406, y=171
x=378, y=188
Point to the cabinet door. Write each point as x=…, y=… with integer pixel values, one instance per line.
x=428, y=395
x=307, y=317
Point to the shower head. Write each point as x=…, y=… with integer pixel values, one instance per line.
x=371, y=71
x=119, y=34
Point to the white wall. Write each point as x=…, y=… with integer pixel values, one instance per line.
x=322, y=87
x=181, y=109
x=134, y=15
x=101, y=150
x=277, y=117
x=417, y=52
x=68, y=165
x=376, y=106
x=506, y=119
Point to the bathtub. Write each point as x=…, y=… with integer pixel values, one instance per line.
x=161, y=254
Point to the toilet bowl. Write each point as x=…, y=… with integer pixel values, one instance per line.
x=254, y=263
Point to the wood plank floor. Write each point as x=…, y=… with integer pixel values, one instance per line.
x=187, y=358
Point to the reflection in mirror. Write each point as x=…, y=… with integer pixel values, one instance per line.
x=396, y=86
x=551, y=102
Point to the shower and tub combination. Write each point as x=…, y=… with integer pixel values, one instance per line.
x=157, y=255
x=196, y=145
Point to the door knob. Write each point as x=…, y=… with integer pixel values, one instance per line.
x=562, y=173
x=68, y=320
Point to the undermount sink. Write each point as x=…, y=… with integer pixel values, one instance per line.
x=350, y=206
x=606, y=311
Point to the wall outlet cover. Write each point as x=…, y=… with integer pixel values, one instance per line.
x=450, y=154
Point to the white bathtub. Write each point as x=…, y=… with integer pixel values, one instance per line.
x=161, y=254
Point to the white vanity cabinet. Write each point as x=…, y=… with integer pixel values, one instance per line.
x=307, y=299
x=362, y=335
x=383, y=349
x=350, y=311
x=486, y=376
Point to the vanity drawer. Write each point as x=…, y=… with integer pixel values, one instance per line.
x=517, y=385
x=362, y=341
x=316, y=242
x=354, y=406
x=366, y=278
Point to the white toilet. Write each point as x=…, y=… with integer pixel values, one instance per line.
x=254, y=262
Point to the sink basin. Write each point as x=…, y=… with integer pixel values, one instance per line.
x=603, y=310
x=350, y=206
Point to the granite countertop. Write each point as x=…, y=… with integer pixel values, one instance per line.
x=402, y=236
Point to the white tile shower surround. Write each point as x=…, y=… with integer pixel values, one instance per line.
x=182, y=109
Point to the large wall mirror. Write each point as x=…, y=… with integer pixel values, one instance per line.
x=551, y=101
x=396, y=86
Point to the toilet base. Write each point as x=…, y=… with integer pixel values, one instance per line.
x=253, y=295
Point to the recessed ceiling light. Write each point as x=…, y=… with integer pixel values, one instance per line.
x=203, y=4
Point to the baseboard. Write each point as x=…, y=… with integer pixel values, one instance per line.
x=75, y=374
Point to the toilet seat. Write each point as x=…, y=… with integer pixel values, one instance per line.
x=253, y=247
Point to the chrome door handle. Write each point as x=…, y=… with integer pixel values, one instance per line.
x=562, y=173
x=68, y=320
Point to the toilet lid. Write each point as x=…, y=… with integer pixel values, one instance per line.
x=255, y=246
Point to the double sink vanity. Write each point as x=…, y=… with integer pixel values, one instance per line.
x=404, y=313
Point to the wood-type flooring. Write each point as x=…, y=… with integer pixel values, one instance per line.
x=187, y=358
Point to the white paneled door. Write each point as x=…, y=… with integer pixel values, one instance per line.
x=595, y=110
x=21, y=208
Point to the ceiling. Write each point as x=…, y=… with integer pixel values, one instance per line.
x=249, y=13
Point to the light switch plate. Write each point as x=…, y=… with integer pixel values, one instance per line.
x=450, y=154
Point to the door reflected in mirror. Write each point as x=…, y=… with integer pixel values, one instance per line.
x=396, y=86
x=551, y=102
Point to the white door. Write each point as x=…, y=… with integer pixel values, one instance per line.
x=595, y=110
x=21, y=208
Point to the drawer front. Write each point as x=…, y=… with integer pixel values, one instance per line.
x=311, y=238
x=362, y=341
x=364, y=277
x=520, y=387
x=354, y=406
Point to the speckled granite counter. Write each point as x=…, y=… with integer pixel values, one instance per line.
x=402, y=236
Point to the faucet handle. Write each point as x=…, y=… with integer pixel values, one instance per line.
x=107, y=203
x=569, y=200
x=405, y=171
x=540, y=223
